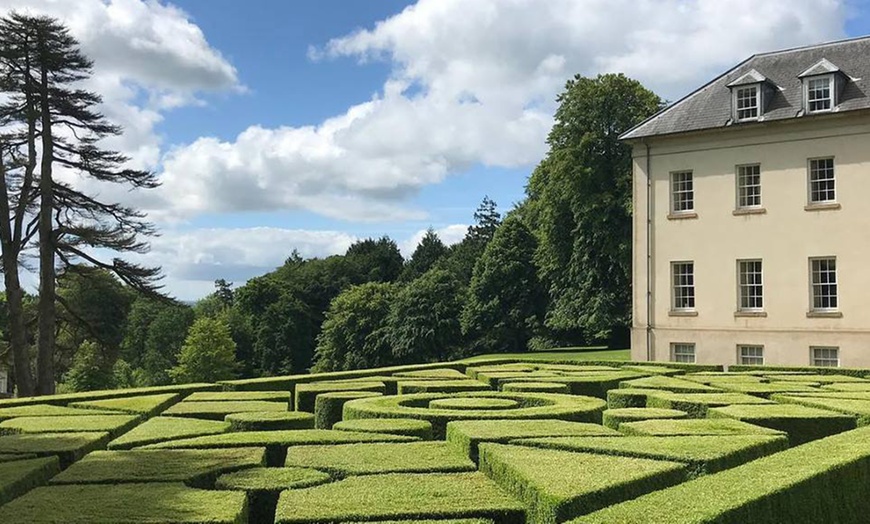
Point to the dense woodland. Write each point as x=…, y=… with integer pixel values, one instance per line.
x=553, y=270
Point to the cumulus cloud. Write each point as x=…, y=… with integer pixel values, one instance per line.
x=474, y=83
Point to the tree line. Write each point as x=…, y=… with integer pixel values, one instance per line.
x=554, y=270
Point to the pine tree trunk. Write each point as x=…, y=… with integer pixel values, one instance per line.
x=47, y=272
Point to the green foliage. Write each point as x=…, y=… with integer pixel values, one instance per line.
x=579, y=206
x=690, y=427
x=766, y=389
x=822, y=481
x=440, y=386
x=858, y=408
x=147, y=405
x=375, y=260
x=584, y=482
x=380, y=458
x=68, y=447
x=423, y=324
x=437, y=373
x=44, y=410
x=271, y=479
x=467, y=435
x=407, y=427
x=153, y=336
x=234, y=396
x=668, y=383
x=462, y=257
x=629, y=397
x=612, y=418
x=19, y=477
x=194, y=467
x=506, y=302
x=697, y=404
x=473, y=403
x=208, y=353
x=112, y=393
x=400, y=496
x=270, y=420
x=164, y=502
x=537, y=387
x=161, y=429
x=306, y=394
x=801, y=423
x=427, y=253
x=354, y=333
x=218, y=410
x=591, y=384
x=328, y=406
x=90, y=371
x=112, y=424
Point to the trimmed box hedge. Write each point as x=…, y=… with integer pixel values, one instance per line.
x=399, y=496
x=689, y=427
x=114, y=425
x=328, y=407
x=496, y=379
x=163, y=502
x=816, y=378
x=676, y=385
x=560, y=485
x=147, y=405
x=379, y=458
x=537, y=387
x=263, y=485
x=473, y=403
x=391, y=426
x=767, y=369
x=68, y=447
x=766, y=389
x=801, y=423
x=860, y=409
x=161, y=429
x=702, y=455
x=441, y=386
x=219, y=410
x=306, y=394
x=270, y=420
x=19, y=477
x=235, y=396
x=66, y=398
x=592, y=384
x=532, y=406
x=823, y=481
x=612, y=418
x=440, y=373
x=629, y=398
x=48, y=410
x=9, y=457
x=655, y=370
x=467, y=435
x=859, y=386
x=697, y=404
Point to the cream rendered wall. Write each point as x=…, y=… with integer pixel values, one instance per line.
x=784, y=237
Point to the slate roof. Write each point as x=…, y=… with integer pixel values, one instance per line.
x=710, y=106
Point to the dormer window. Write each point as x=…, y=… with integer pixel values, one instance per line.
x=747, y=102
x=749, y=94
x=819, y=94
x=822, y=85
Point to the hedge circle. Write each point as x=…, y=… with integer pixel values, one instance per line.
x=271, y=479
x=474, y=403
x=390, y=426
x=529, y=406
x=537, y=387
x=270, y=420
x=328, y=406
x=612, y=418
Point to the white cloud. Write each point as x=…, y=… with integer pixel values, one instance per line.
x=450, y=235
x=474, y=83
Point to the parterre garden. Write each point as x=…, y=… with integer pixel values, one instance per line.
x=458, y=443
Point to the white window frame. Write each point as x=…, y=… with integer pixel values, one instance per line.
x=821, y=356
x=746, y=359
x=687, y=188
x=679, y=298
x=753, y=111
x=820, y=285
x=809, y=89
x=748, y=192
x=813, y=170
x=683, y=352
x=750, y=285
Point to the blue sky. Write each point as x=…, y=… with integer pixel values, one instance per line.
x=279, y=125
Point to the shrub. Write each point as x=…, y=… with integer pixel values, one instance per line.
x=467, y=435
x=164, y=502
x=816, y=378
x=441, y=386
x=10, y=457
x=219, y=410
x=270, y=420
x=612, y=418
x=46, y=410
x=68, y=447
x=559, y=485
x=688, y=427
x=112, y=424
x=263, y=485
x=697, y=404
x=860, y=409
x=147, y=405
x=766, y=389
x=473, y=403
x=230, y=396
x=392, y=426
x=161, y=429
x=442, y=373
x=702, y=454
x=19, y=477
x=497, y=379
x=677, y=385
x=306, y=394
x=654, y=370
x=629, y=398
x=593, y=384
x=537, y=387
x=531, y=406
x=801, y=423
x=208, y=353
x=379, y=458
x=328, y=407
x=860, y=386
x=823, y=481
x=112, y=393
x=400, y=496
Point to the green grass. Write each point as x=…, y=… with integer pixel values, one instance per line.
x=697, y=404
x=801, y=423
x=328, y=407
x=467, y=435
x=400, y=496
x=537, y=387
x=823, y=481
x=68, y=447
x=441, y=386
x=270, y=420
x=161, y=429
x=559, y=485
x=391, y=426
x=576, y=355
x=147, y=405
x=47, y=410
x=164, y=503
x=473, y=403
x=688, y=427
x=702, y=455
x=198, y=467
x=235, y=396
x=379, y=458
x=219, y=410
x=114, y=425
x=612, y=418
x=19, y=477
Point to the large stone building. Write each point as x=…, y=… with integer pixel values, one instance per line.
x=752, y=215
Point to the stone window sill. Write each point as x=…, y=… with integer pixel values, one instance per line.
x=749, y=211
x=824, y=314
x=750, y=314
x=682, y=216
x=826, y=206
x=681, y=313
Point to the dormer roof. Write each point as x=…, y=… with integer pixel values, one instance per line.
x=751, y=77
x=822, y=67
